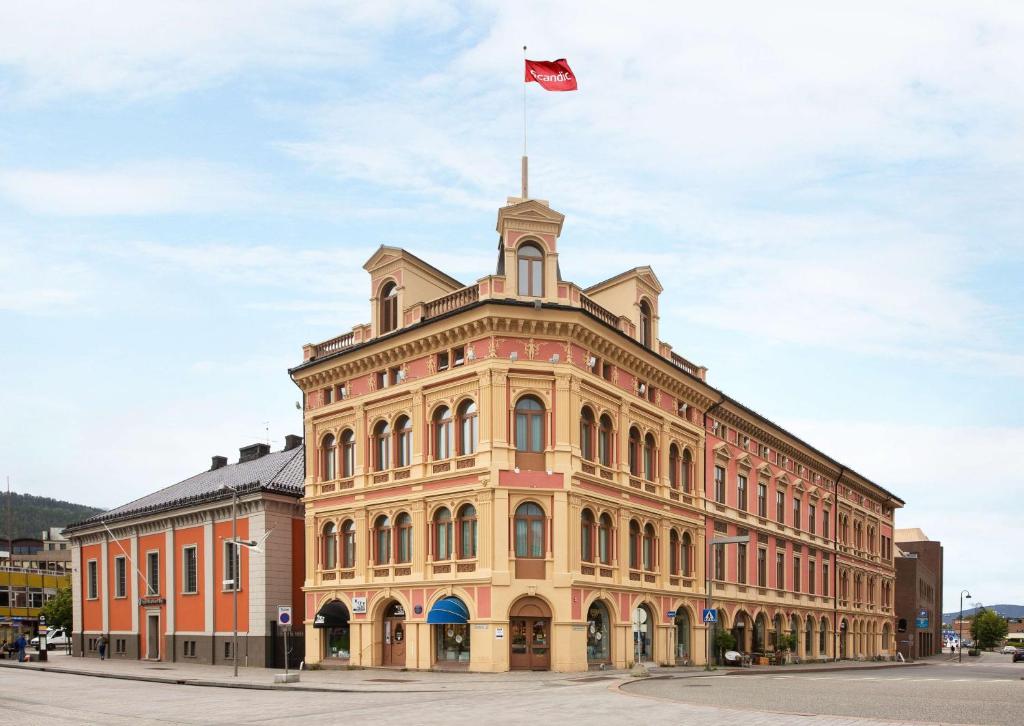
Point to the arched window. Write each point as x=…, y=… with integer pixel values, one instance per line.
x=649, y=553
x=403, y=538
x=348, y=453
x=467, y=532
x=442, y=433
x=469, y=428
x=635, y=545
x=822, y=635
x=530, y=433
x=388, y=308
x=531, y=270
x=442, y=534
x=381, y=446
x=587, y=429
x=604, y=441
x=348, y=544
x=529, y=531
x=329, y=460
x=673, y=553
x=673, y=466
x=686, y=471
x=646, y=325
x=635, y=451
x=686, y=555
x=382, y=540
x=403, y=440
x=605, y=545
x=587, y=529
x=330, y=547
x=650, y=458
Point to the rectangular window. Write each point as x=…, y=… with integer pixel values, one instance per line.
x=824, y=579
x=227, y=650
x=780, y=570
x=796, y=512
x=120, y=577
x=741, y=493
x=741, y=564
x=812, y=519
x=720, y=484
x=762, y=500
x=812, y=565
x=796, y=574
x=780, y=507
x=382, y=379
x=190, y=570
x=121, y=646
x=190, y=648
x=232, y=565
x=826, y=523
x=720, y=562
x=442, y=361
x=458, y=356
x=394, y=375
x=153, y=573
x=328, y=395
x=92, y=580
x=762, y=567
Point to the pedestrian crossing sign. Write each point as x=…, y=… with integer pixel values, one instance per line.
x=710, y=615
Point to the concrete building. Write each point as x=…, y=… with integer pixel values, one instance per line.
x=156, y=576
x=919, y=591
x=518, y=473
x=23, y=592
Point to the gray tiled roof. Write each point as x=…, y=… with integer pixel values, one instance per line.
x=281, y=471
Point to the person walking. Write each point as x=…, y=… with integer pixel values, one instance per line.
x=20, y=645
x=102, y=644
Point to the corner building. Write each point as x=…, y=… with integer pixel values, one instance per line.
x=511, y=474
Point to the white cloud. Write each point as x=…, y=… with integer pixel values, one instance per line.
x=40, y=279
x=139, y=188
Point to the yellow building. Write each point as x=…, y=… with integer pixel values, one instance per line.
x=23, y=592
x=508, y=474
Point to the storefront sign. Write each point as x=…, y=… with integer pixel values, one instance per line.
x=499, y=633
x=359, y=605
x=148, y=601
x=480, y=626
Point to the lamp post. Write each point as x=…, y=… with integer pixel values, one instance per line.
x=961, y=636
x=743, y=539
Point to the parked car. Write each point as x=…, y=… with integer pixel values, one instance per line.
x=56, y=638
x=1019, y=655
x=1009, y=649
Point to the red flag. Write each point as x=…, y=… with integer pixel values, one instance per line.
x=551, y=75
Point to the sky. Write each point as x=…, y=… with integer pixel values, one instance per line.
x=831, y=197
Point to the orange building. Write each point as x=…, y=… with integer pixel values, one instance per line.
x=155, y=576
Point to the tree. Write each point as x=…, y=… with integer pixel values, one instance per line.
x=988, y=629
x=724, y=640
x=58, y=610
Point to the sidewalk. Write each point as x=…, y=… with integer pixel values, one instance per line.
x=385, y=680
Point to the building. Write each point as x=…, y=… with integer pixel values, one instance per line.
x=919, y=592
x=23, y=592
x=518, y=473
x=157, y=576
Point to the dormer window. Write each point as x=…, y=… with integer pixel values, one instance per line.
x=646, y=326
x=388, y=308
x=531, y=270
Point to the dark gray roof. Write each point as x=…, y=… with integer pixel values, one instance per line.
x=281, y=472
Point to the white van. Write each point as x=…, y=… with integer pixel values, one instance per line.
x=56, y=638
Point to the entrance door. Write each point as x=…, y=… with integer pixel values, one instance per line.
x=530, y=644
x=394, y=636
x=153, y=637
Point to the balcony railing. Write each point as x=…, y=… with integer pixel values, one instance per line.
x=334, y=344
x=451, y=301
x=599, y=312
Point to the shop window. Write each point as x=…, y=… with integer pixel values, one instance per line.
x=531, y=270
x=442, y=534
x=467, y=532
x=328, y=454
x=388, y=308
x=530, y=433
x=469, y=428
x=599, y=633
x=403, y=537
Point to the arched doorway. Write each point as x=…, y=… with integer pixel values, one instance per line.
x=776, y=630
x=449, y=617
x=683, y=637
x=530, y=635
x=332, y=621
x=599, y=634
x=643, y=634
x=393, y=644
x=740, y=628
x=758, y=642
x=843, y=628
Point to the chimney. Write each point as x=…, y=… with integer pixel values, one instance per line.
x=219, y=462
x=252, y=452
x=291, y=441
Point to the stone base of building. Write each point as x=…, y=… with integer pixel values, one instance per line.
x=253, y=651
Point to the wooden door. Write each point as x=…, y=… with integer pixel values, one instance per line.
x=394, y=642
x=530, y=644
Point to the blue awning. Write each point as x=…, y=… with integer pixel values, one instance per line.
x=448, y=611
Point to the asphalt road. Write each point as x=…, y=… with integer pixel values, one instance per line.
x=988, y=690
x=56, y=699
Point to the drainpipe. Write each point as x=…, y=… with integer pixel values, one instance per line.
x=835, y=568
x=707, y=549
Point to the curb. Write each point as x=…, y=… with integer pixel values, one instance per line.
x=827, y=669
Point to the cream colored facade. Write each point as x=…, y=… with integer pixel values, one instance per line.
x=577, y=438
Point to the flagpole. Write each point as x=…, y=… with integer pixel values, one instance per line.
x=525, y=166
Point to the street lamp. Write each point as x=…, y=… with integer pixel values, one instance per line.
x=961, y=637
x=742, y=539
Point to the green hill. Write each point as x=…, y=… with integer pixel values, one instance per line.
x=30, y=515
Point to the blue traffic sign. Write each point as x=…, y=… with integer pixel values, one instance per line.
x=670, y=614
x=710, y=615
